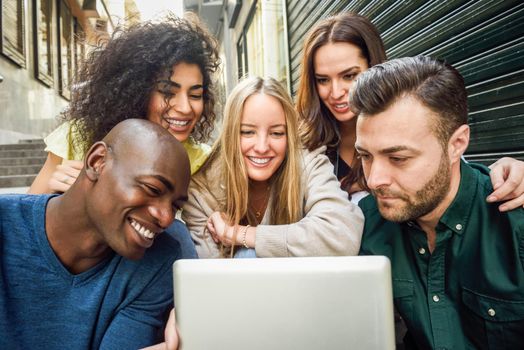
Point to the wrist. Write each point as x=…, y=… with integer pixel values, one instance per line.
x=248, y=236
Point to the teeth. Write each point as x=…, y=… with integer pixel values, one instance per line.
x=142, y=230
x=176, y=122
x=260, y=160
x=342, y=105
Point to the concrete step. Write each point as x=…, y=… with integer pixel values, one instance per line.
x=32, y=141
x=22, y=161
x=22, y=146
x=31, y=153
x=9, y=190
x=20, y=169
x=16, y=180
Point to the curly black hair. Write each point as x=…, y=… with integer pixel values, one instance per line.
x=116, y=80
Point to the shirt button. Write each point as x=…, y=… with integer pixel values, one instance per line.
x=458, y=227
x=422, y=251
x=436, y=299
x=491, y=312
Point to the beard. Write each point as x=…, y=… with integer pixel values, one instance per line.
x=423, y=202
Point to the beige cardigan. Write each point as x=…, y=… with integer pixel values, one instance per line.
x=331, y=224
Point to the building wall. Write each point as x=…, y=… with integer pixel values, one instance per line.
x=484, y=39
x=29, y=107
x=266, y=45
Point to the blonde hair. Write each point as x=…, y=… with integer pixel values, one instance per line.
x=286, y=207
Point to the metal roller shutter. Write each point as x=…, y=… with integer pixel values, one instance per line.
x=483, y=39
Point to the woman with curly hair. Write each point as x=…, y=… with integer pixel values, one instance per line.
x=156, y=71
x=336, y=50
x=260, y=193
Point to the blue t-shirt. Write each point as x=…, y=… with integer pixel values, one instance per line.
x=117, y=304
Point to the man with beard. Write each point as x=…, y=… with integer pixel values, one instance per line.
x=457, y=262
x=90, y=269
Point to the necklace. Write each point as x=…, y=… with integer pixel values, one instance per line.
x=259, y=204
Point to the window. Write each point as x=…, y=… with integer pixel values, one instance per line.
x=80, y=52
x=43, y=42
x=13, y=31
x=241, y=57
x=65, y=49
x=262, y=47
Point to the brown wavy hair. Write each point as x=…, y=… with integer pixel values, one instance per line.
x=318, y=126
x=116, y=80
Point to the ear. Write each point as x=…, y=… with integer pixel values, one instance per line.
x=95, y=160
x=458, y=143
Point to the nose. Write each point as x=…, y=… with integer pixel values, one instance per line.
x=180, y=103
x=261, y=144
x=163, y=213
x=377, y=175
x=338, y=89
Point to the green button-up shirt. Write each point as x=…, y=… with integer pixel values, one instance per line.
x=468, y=293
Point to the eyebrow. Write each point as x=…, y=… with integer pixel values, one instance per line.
x=254, y=126
x=347, y=70
x=390, y=150
x=178, y=86
x=162, y=179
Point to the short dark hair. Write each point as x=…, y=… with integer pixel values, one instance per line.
x=434, y=83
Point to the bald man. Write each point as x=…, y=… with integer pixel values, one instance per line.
x=89, y=268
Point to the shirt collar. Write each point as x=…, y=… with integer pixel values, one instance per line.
x=457, y=215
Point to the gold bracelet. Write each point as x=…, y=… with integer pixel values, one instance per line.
x=244, y=237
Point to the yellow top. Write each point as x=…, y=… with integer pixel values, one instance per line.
x=60, y=143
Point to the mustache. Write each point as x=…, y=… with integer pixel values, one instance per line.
x=384, y=192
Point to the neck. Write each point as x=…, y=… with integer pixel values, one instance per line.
x=348, y=137
x=258, y=187
x=429, y=222
x=71, y=234
x=259, y=198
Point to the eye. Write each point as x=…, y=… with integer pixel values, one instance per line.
x=196, y=96
x=167, y=93
x=278, y=134
x=350, y=76
x=247, y=132
x=398, y=160
x=151, y=190
x=364, y=157
x=321, y=80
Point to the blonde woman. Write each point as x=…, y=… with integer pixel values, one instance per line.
x=260, y=193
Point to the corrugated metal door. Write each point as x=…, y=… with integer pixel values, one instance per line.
x=483, y=39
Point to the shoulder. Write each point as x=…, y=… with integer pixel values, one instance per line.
x=22, y=216
x=12, y=204
x=197, y=153
x=372, y=215
x=207, y=178
x=317, y=153
x=62, y=140
x=378, y=232
x=314, y=159
x=511, y=221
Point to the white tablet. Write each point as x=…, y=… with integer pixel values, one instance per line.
x=285, y=303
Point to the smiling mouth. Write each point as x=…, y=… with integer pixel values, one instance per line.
x=177, y=122
x=259, y=161
x=141, y=230
x=341, y=106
